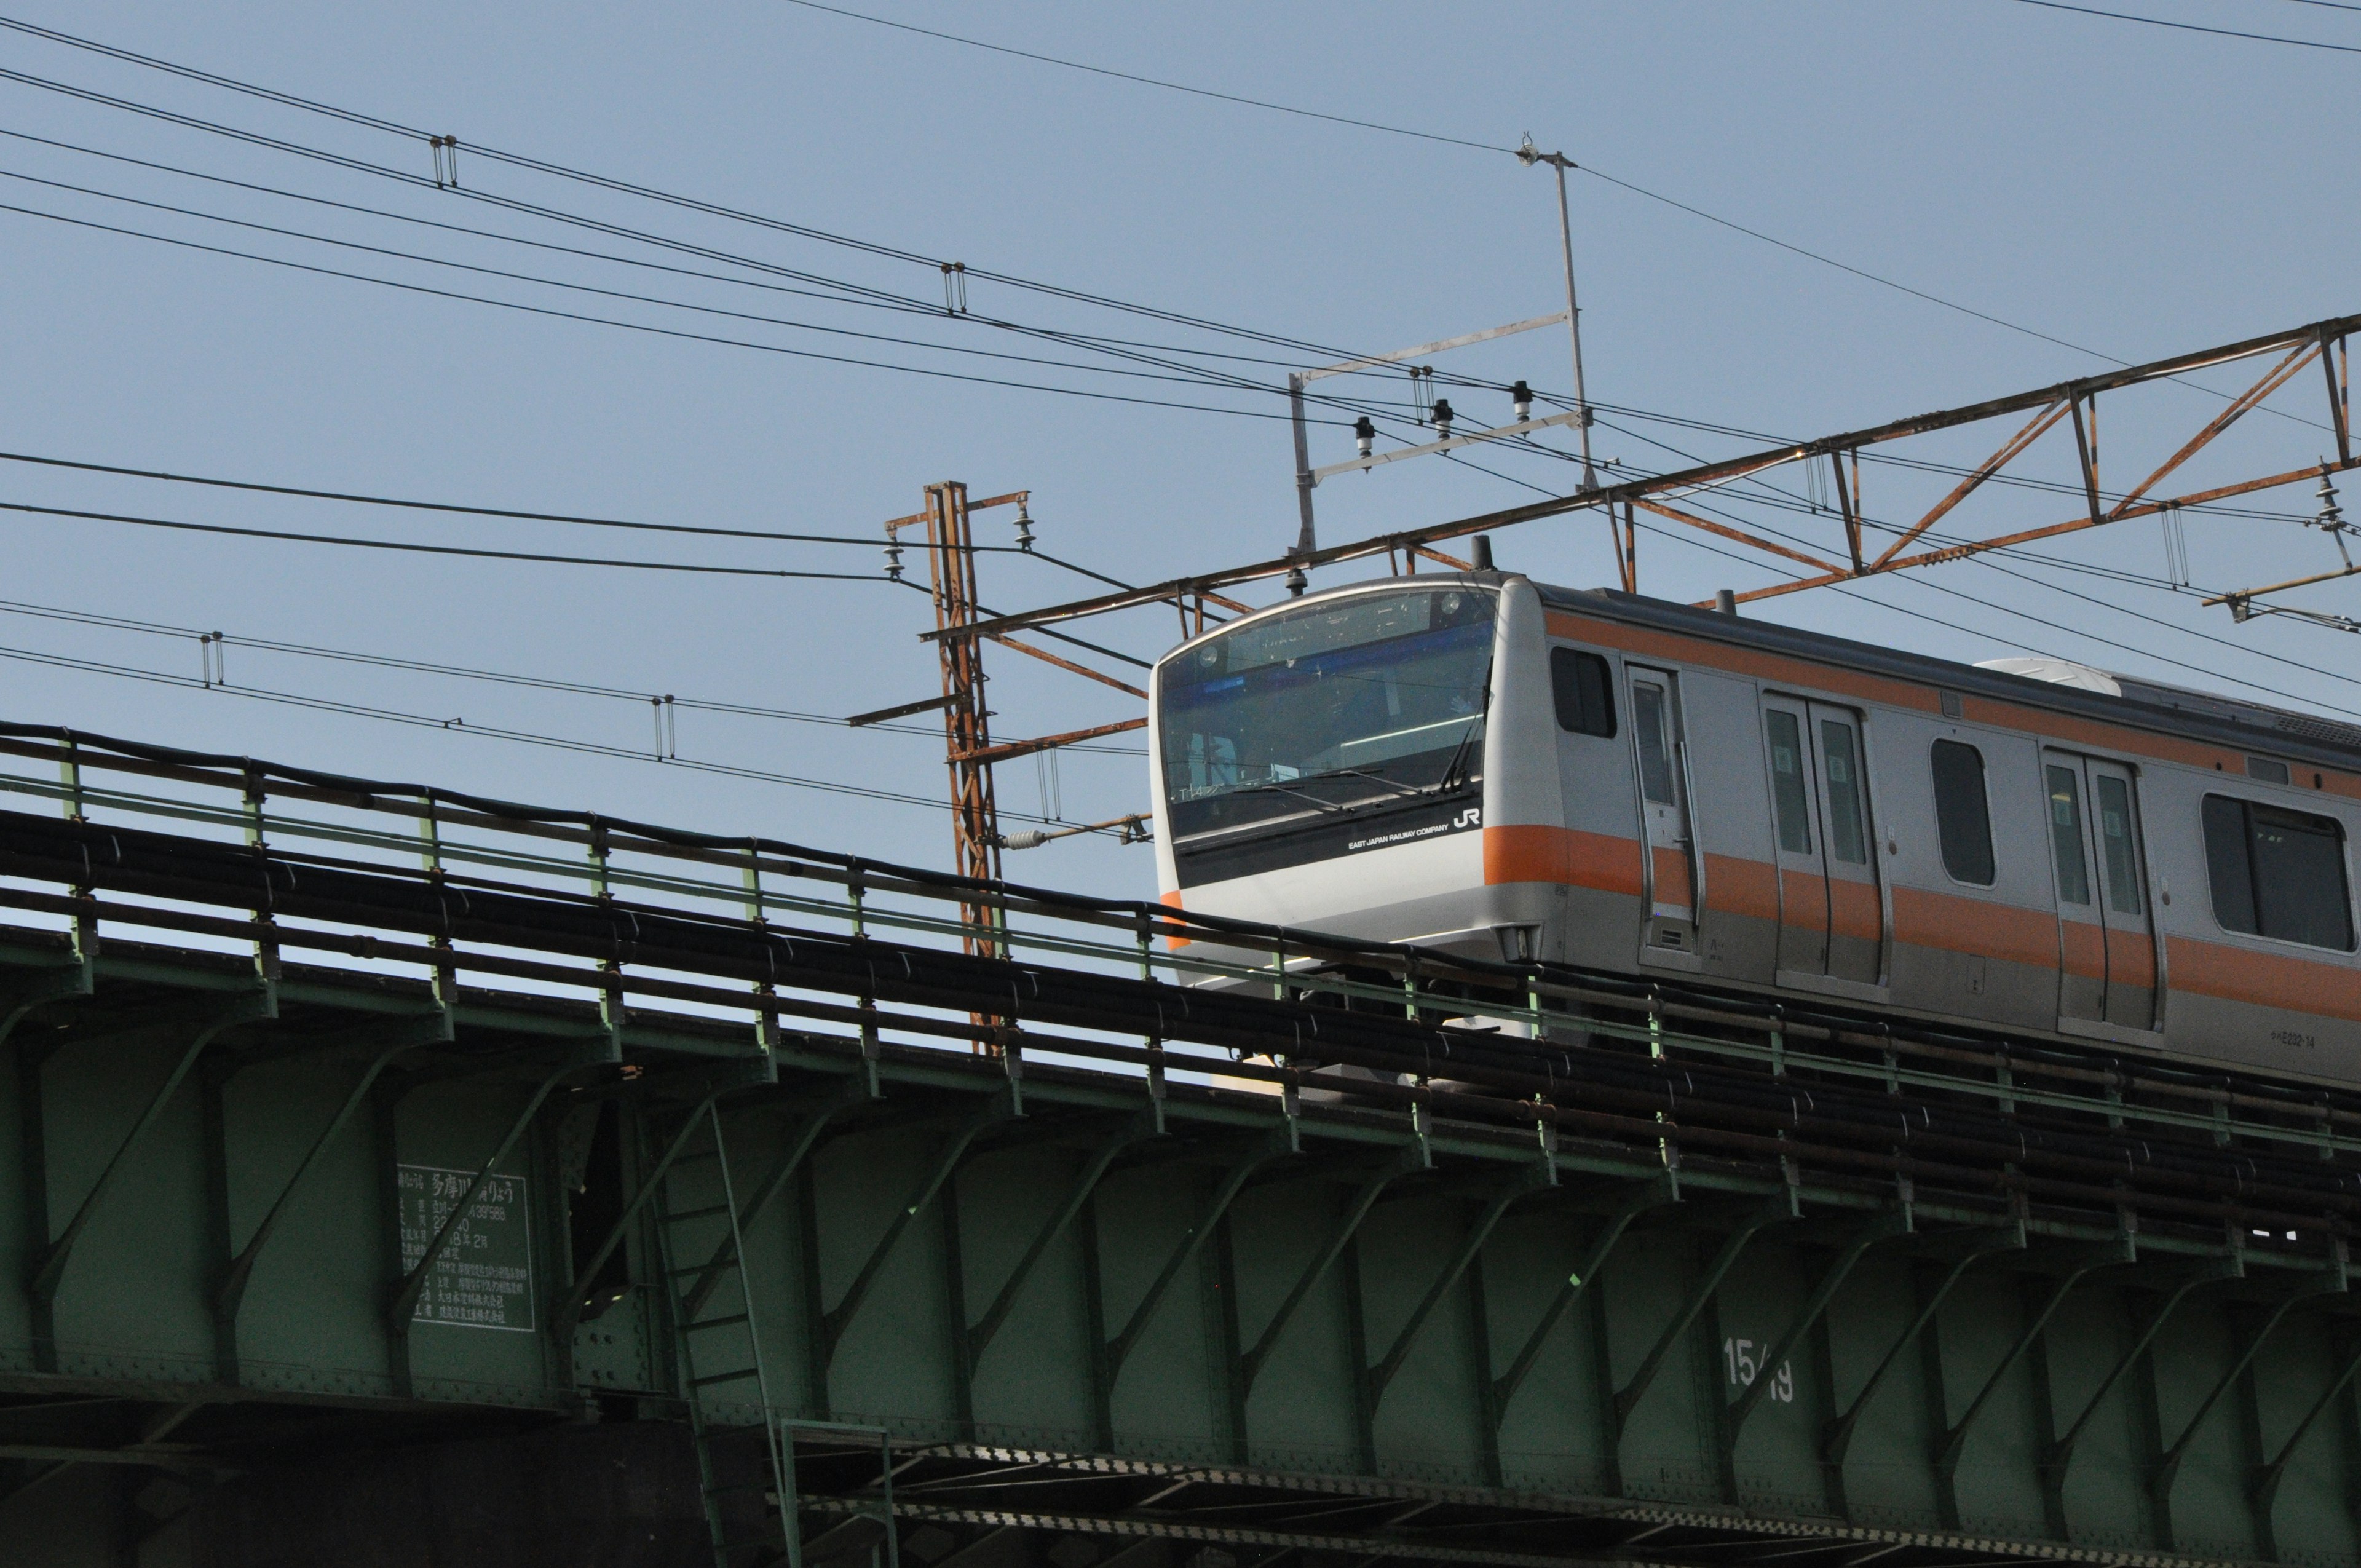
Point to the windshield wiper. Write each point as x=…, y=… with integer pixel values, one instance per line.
x=1279, y=789
x=1395, y=785
x=1455, y=774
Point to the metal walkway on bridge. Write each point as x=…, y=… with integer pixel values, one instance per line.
x=369, y=1142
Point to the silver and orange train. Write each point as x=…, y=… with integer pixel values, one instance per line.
x=1485, y=766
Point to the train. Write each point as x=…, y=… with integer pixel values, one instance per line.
x=1487, y=766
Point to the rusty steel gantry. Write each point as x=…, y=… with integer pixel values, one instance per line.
x=1853, y=555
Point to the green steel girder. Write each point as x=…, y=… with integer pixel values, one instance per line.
x=709, y=1084
x=995, y=1109
x=401, y=1301
x=2263, y=1484
x=2071, y=1265
x=1513, y=1446
x=1541, y=1175
x=2174, y=1284
x=197, y=1022
x=1259, y=1153
x=1641, y=1198
x=1966, y=1249
x=2168, y=1468
x=1868, y=1233
x=1780, y=1207
x=1147, y=1123
x=51, y=982
x=1414, y=1157
x=386, y=1041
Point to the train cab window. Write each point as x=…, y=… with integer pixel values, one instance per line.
x=1583, y=689
x=2278, y=873
x=2066, y=836
x=1791, y=797
x=1653, y=723
x=1962, y=815
x=1841, y=757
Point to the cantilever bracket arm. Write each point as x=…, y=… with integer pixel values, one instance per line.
x=1781, y=1206
x=1649, y=1195
x=1532, y=1178
x=2263, y=1486
x=243, y=1007
x=1272, y=1145
x=56, y=984
x=1837, y=1437
x=853, y=1090
x=839, y=1318
x=392, y=1040
x=2105, y=1255
x=2168, y=1470
x=1143, y=1124
x=1410, y=1158
x=1880, y=1227
x=2205, y=1271
x=402, y=1300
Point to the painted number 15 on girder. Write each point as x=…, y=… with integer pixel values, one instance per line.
x=1738, y=1357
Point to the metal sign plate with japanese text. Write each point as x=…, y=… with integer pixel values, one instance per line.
x=483, y=1280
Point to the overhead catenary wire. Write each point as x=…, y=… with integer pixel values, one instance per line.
x=634, y=326
x=894, y=252
x=871, y=294
x=411, y=547
x=499, y=677
x=2189, y=27
x=882, y=250
x=460, y=727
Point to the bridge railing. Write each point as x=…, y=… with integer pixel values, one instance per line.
x=1509, y=1034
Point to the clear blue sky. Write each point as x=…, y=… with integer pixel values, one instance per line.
x=2136, y=191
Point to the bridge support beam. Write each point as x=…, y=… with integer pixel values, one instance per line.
x=199, y=1022
x=401, y=1301
x=1780, y=1207
x=830, y=1329
x=2074, y=1264
x=1501, y=1390
x=2176, y=1286
x=1379, y=1376
x=386, y=1042
x=2168, y=1469
x=1876, y=1229
x=1115, y=1352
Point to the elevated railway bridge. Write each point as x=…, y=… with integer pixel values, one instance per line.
x=392, y=1176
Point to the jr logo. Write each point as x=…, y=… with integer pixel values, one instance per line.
x=1471, y=818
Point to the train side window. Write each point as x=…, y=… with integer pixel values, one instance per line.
x=2116, y=842
x=1962, y=815
x=2066, y=836
x=1654, y=727
x=1848, y=834
x=1583, y=689
x=1791, y=799
x=2278, y=873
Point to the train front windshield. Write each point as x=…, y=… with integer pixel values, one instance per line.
x=1334, y=707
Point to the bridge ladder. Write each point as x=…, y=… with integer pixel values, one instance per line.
x=744, y=1442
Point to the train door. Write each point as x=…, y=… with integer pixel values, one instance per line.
x=1856, y=912
x=2106, y=942
x=1831, y=917
x=1796, y=825
x=1668, y=846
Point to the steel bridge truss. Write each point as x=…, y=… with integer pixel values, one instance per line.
x=1355, y=1252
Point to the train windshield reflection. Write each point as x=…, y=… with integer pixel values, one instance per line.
x=1334, y=706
